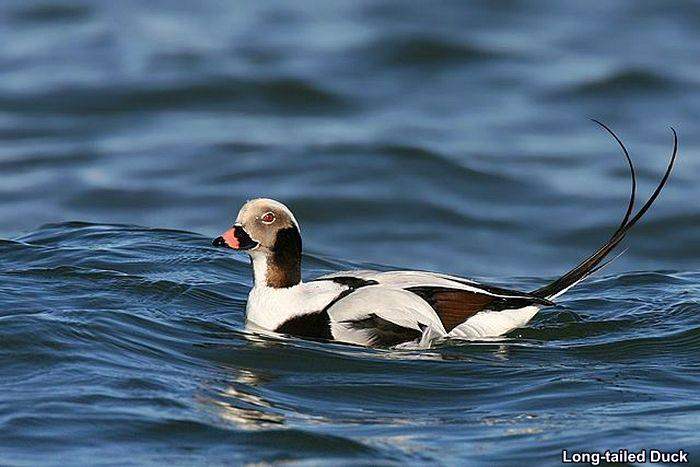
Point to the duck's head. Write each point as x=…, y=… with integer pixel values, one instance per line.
x=267, y=230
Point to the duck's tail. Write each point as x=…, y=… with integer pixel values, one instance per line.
x=595, y=261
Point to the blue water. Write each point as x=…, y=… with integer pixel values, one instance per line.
x=450, y=136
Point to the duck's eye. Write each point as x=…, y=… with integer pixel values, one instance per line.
x=268, y=218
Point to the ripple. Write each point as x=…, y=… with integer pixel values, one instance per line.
x=425, y=162
x=280, y=95
x=627, y=82
x=686, y=341
x=49, y=160
x=49, y=13
x=426, y=51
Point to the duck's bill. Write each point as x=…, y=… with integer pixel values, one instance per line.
x=235, y=238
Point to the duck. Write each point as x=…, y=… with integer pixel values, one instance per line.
x=391, y=309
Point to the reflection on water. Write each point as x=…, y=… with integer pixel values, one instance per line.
x=237, y=404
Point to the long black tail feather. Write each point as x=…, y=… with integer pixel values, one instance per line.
x=593, y=263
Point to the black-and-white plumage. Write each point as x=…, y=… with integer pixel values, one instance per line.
x=391, y=308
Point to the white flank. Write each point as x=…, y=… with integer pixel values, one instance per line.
x=493, y=323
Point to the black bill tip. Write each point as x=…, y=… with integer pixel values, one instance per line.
x=219, y=241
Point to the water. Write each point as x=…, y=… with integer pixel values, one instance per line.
x=452, y=138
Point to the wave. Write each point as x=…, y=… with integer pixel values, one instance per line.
x=51, y=13
x=281, y=96
x=425, y=51
x=139, y=332
x=623, y=83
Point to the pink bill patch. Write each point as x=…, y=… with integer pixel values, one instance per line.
x=231, y=239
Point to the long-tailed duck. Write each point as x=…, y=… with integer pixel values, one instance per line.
x=385, y=309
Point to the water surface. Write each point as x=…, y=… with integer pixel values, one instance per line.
x=452, y=138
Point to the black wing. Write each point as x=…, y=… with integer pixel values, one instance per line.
x=383, y=333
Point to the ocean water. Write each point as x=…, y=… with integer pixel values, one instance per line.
x=449, y=136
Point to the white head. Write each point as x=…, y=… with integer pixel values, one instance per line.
x=267, y=230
